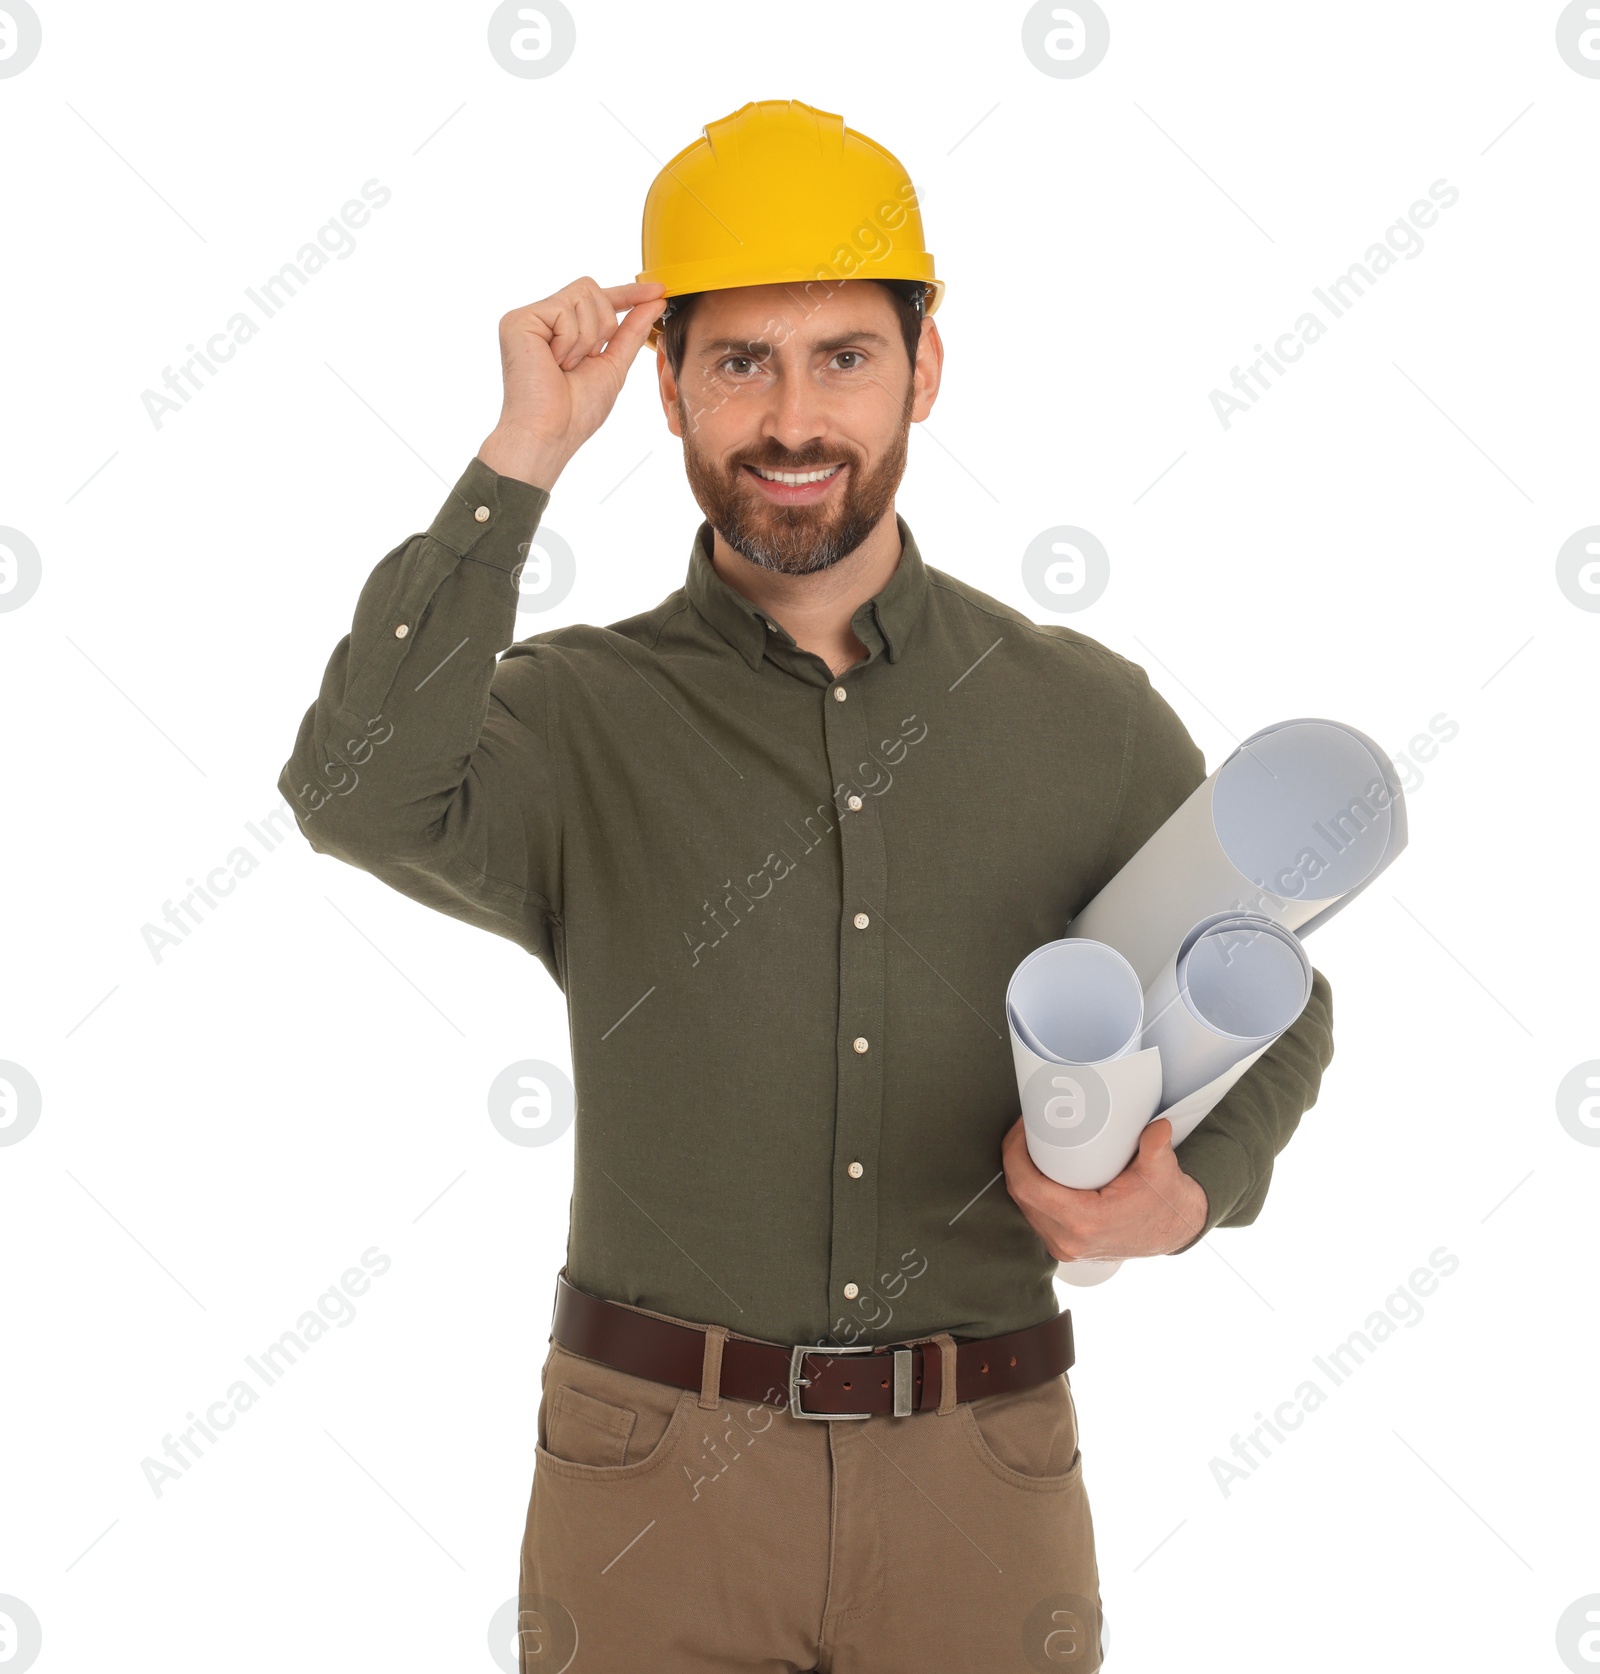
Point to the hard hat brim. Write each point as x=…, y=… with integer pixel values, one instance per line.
x=694, y=277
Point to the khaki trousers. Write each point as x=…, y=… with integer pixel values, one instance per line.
x=673, y=1530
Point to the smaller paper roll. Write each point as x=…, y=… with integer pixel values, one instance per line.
x=1076, y=1013
x=1236, y=982
x=1076, y=1002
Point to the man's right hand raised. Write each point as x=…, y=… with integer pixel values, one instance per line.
x=564, y=361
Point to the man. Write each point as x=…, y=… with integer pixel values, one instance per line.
x=781, y=840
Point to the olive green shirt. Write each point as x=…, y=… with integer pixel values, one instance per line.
x=783, y=908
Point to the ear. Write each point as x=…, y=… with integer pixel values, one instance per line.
x=926, y=371
x=669, y=390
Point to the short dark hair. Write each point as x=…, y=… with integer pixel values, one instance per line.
x=907, y=295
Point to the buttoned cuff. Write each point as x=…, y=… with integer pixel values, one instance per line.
x=486, y=518
x=1222, y=1166
x=489, y=518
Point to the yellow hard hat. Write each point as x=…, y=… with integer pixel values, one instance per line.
x=781, y=192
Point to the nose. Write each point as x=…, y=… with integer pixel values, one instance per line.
x=795, y=417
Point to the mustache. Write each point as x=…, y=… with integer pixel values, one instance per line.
x=811, y=459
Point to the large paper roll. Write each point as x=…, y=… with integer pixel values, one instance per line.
x=1292, y=826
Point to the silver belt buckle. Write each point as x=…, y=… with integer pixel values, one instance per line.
x=902, y=1378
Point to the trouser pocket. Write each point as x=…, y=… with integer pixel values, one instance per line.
x=607, y=1486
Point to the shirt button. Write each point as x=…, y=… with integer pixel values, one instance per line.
x=861, y=921
x=852, y=1290
x=855, y=802
x=482, y=514
x=401, y=631
x=854, y=1171
x=839, y=693
x=860, y=1043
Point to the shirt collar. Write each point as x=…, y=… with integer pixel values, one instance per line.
x=883, y=622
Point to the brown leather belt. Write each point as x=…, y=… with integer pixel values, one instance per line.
x=823, y=1380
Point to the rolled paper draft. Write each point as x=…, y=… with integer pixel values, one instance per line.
x=1292, y=826
x=1075, y=1002
x=1075, y=1014
x=1236, y=982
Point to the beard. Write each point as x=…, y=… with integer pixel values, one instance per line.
x=794, y=540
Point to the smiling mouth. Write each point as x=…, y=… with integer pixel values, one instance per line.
x=795, y=478
x=795, y=488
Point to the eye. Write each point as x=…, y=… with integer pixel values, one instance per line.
x=735, y=360
x=854, y=355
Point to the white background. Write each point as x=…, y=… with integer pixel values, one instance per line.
x=226, y=1130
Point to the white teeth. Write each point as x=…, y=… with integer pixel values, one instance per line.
x=797, y=476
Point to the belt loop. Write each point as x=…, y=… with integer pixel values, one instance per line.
x=947, y=1371
x=711, y=1365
